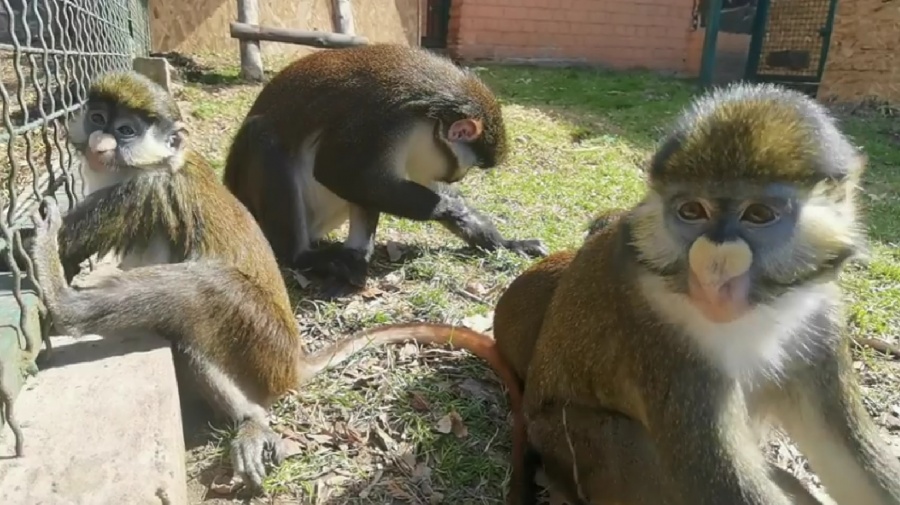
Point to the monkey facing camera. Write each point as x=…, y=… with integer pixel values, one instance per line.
x=354, y=133
x=651, y=357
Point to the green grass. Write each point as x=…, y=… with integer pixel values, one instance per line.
x=366, y=433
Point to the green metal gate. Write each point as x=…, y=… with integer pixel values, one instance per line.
x=789, y=43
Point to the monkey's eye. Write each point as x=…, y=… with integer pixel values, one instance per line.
x=98, y=119
x=759, y=214
x=125, y=131
x=692, y=212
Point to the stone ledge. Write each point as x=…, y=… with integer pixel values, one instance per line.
x=102, y=424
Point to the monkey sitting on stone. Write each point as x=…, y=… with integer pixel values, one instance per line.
x=354, y=133
x=197, y=269
x=651, y=356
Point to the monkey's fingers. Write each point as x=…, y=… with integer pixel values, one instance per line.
x=533, y=248
x=249, y=451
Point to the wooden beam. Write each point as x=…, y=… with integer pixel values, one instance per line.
x=246, y=31
x=343, y=16
x=251, y=59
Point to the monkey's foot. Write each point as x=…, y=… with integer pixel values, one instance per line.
x=255, y=445
x=533, y=248
x=345, y=269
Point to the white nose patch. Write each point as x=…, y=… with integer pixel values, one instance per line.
x=100, y=142
x=715, y=264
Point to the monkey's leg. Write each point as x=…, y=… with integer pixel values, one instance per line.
x=615, y=460
x=346, y=265
x=598, y=457
x=192, y=304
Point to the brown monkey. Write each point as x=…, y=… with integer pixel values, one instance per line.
x=707, y=309
x=354, y=133
x=197, y=268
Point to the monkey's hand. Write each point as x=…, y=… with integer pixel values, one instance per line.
x=255, y=445
x=533, y=248
x=46, y=229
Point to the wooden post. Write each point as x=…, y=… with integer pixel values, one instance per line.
x=244, y=31
x=342, y=11
x=251, y=60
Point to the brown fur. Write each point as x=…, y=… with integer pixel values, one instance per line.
x=206, y=279
x=351, y=134
x=628, y=404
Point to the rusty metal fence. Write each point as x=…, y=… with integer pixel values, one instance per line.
x=50, y=50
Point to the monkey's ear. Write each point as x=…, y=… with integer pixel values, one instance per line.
x=465, y=130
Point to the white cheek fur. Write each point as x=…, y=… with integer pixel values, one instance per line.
x=756, y=347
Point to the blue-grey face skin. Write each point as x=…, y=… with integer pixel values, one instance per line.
x=131, y=130
x=763, y=216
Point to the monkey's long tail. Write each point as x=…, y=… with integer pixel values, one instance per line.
x=477, y=343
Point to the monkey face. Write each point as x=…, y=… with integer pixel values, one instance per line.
x=113, y=137
x=729, y=247
x=473, y=146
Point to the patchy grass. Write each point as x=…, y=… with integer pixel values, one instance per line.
x=430, y=426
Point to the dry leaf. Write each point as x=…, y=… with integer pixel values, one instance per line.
x=478, y=322
x=408, y=350
x=290, y=447
x=436, y=498
x=444, y=425
x=452, y=422
x=225, y=484
x=301, y=280
x=476, y=288
x=394, y=251
x=371, y=292
x=418, y=402
x=395, y=489
x=457, y=425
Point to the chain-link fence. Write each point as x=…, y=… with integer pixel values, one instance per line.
x=50, y=50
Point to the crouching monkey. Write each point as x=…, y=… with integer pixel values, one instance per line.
x=349, y=134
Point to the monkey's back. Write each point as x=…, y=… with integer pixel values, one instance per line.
x=597, y=334
x=333, y=86
x=520, y=310
x=224, y=230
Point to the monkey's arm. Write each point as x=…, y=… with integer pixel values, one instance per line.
x=706, y=443
x=475, y=228
x=376, y=182
x=99, y=223
x=828, y=422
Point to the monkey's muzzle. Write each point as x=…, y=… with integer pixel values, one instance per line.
x=101, y=151
x=719, y=280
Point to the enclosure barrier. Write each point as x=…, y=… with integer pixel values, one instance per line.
x=50, y=50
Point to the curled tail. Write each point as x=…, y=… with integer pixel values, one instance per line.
x=459, y=337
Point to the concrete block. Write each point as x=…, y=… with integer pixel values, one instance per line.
x=157, y=69
x=102, y=425
x=15, y=362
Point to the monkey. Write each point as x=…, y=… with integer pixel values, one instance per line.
x=383, y=129
x=196, y=268
x=707, y=310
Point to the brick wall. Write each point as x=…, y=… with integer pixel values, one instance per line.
x=653, y=34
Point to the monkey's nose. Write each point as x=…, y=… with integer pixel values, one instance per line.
x=100, y=142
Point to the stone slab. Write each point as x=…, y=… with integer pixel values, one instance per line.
x=102, y=425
